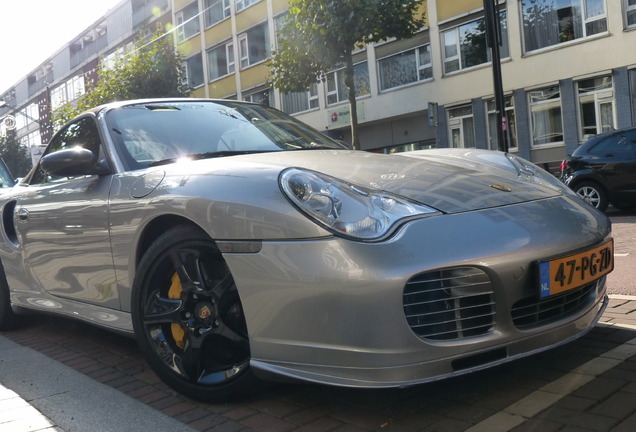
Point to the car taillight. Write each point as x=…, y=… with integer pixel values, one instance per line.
x=564, y=164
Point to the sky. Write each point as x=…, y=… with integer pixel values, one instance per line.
x=31, y=31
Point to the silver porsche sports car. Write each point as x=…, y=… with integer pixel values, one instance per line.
x=236, y=243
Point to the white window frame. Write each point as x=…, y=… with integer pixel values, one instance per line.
x=333, y=77
x=585, y=20
x=182, y=23
x=600, y=98
x=244, y=4
x=455, y=33
x=629, y=9
x=458, y=123
x=419, y=67
x=180, y=27
x=226, y=10
x=310, y=99
x=244, y=51
x=543, y=105
x=244, y=47
x=228, y=47
x=249, y=97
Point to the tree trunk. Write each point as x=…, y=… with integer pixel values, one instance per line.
x=353, y=107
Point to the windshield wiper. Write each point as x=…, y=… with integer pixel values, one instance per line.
x=208, y=155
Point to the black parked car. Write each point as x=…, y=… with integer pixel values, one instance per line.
x=603, y=170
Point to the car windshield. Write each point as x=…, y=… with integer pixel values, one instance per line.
x=156, y=133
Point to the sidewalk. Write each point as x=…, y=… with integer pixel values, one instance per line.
x=40, y=394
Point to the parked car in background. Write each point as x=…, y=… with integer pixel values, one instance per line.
x=235, y=242
x=603, y=170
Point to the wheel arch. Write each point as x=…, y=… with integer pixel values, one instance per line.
x=157, y=227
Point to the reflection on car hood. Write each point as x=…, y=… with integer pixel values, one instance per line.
x=449, y=180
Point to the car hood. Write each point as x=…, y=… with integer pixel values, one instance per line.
x=450, y=180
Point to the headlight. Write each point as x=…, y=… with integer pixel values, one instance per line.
x=345, y=209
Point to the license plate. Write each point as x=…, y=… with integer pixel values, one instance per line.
x=566, y=273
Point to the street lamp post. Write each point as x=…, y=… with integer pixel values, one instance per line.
x=493, y=39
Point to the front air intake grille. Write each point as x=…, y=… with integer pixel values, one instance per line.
x=532, y=312
x=450, y=304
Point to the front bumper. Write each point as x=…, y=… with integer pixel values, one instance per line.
x=332, y=310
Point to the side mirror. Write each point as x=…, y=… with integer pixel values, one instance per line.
x=71, y=163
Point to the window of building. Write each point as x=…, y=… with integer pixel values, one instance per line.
x=465, y=45
x=194, y=70
x=545, y=112
x=461, y=128
x=629, y=7
x=217, y=10
x=68, y=91
x=27, y=115
x=295, y=102
x=32, y=142
x=260, y=97
x=596, y=106
x=242, y=4
x=337, y=89
x=405, y=68
x=548, y=22
x=221, y=60
x=187, y=22
x=493, y=128
x=254, y=46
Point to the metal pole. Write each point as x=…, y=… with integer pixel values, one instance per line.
x=493, y=40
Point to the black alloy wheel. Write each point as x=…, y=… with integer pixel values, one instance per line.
x=188, y=317
x=593, y=194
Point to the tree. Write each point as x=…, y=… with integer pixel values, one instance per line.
x=15, y=155
x=152, y=69
x=320, y=35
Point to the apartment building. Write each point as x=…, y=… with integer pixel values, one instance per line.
x=69, y=72
x=568, y=69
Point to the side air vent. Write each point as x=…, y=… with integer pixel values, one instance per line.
x=450, y=304
x=8, y=222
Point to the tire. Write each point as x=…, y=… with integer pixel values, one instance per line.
x=7, y=316
x=188, y=318
x=593, y=193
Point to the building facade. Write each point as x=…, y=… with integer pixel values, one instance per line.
x=69, y=72
x=568, y=69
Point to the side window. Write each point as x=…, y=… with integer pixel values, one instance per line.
x=82, y=133
x=618, y=143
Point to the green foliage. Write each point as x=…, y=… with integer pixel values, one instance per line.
x=15, y=155
x=152, y=69
x=321, y=35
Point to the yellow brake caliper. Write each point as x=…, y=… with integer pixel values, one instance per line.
x=178, y=332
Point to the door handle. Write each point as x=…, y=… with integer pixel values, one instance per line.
x=23, y=214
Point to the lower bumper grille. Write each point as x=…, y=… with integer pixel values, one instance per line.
x=450, y=304
x=533, y=312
